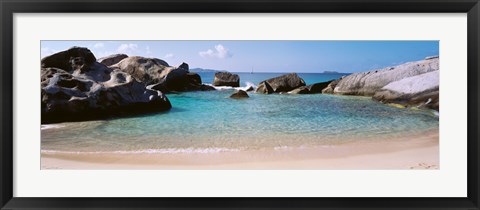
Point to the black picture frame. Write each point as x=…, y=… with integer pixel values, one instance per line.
x=10, y=7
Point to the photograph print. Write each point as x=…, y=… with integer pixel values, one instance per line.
x=296, y=104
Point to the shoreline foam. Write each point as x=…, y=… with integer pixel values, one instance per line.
x=408, y=152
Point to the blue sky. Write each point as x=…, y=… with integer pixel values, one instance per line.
x=264, y=56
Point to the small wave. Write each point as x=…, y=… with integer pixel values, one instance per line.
x=246, y=87
x=45, y=127
x=149, y=151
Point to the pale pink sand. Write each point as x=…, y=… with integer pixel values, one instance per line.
x=408, y=152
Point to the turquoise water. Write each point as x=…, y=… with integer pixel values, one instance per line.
x=211, y=122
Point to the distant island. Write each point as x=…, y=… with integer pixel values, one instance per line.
x=331, y=72
x=206, y=70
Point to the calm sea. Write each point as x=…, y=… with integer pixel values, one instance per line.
x=210, y=121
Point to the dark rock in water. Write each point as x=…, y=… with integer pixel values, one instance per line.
x=205, y=88
x=70, y=98
x=239, y=94
x=112, y=59
x=250, y=88
x=194, y=78
x=91, y=90
x=75, y=58
x=311, y=89
x=226, y=79
x=279, y=84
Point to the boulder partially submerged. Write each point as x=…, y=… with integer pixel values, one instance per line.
x=311, y=89
x=239, y=94
x=85, y=89
x=226, y=79
x=280, y=84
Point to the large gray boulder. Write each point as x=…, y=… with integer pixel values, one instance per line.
x=226, y=79
x=419, y=91
x=280, y=84
x=158, y=75
x=368, y=83
x=111, y=59
x=412, y=84
x=146, y=70
x=90, y=90
x=311, y=89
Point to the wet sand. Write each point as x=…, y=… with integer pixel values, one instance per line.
x=407, y=152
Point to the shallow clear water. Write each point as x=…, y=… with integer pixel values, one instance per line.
x=211, y=122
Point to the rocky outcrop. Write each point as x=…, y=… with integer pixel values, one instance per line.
x=146, y=70
x=111, y=59
x=368, y=83
x=410, y=84
x=331, y=86
x=158, y=75
x=75, y=87
x=419, y=91
x=239, y=94
x=226, y=79
x=73, y=59
x=250, y=88
x=280, y=84
x=311, y=89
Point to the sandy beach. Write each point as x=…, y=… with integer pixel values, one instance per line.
x=407, y=152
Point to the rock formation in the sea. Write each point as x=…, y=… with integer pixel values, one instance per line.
x=311, y=89
x=226, y=79
x=111, y=59
x=74, y=86
x=331, y=86
x=157, y=74
x=368, y=83
x=280, y=84
x=239, y=94
x=250, y=88
x=410, y=84
x=420, y=91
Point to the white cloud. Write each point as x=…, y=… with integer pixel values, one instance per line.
x=127, y=49
x=46, y=51
x=219, y=52
x=169, y=55
x=99, y=45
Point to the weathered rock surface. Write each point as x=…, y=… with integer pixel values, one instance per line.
x=419, y=91
x=226, y=79
x=87, y=90
x=111, y=59
x=280, y=84
x=368, y=83
x=158, y=75
x=331, y=86
x=311, y=89
x=239, y=94
x=409, y=84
